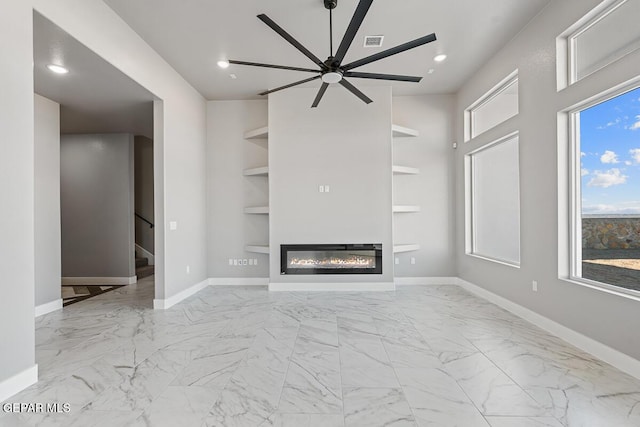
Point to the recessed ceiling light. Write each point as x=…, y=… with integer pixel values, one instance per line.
x=57, y=69
x=440, y=58
x=223, y=64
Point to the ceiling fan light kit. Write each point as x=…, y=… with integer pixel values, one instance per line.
x=332, y=70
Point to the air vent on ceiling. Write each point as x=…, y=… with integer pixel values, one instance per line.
x=373, y=41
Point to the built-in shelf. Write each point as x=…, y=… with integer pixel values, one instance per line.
x=258, y=249
x=404, y=170
x=260, y=133
x=257, y=210
x=264, y=171
x=405, y=208
x=405, y=248
x=401, y=131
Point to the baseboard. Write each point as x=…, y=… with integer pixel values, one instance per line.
x=332, y=287
x=408, y=281
x=43, y=309
x=146, y=254
x=238, y=281
x=602, y=351
x=15, y=384
x=99, y=280
x=163, y=304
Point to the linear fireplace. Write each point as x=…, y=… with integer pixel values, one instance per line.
x=331, y=259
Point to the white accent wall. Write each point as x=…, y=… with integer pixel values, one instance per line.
x=47, y=200
x=605, y=317
x=346, y=144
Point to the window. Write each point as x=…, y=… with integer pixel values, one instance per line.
x=496, y=106
x=493, y=201
x=605, y=166
x=606, y=34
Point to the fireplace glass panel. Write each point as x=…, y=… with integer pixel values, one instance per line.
x=331, y=259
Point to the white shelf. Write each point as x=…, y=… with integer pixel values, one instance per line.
x=258, y=249
x=405, y=208
x=405, y=248
x=264, y=170
x=260, y=133
x=257, y=210
x=404, y=170
x=401, y=131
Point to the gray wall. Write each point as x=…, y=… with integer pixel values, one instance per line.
x=601, y=316
x=47, y=200
x=143, y=172
x=228, y=154
x=433, y=189
x=16, y=190
x=96, y=201
x=346, y=144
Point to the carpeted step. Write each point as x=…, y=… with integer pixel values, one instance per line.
x=145, y=271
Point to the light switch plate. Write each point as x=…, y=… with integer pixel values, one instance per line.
x=173, y=225
x=326, y=188
x=321, y=188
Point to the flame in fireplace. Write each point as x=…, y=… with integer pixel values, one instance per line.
x=333, y=262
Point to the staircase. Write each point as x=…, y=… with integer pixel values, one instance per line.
x=143, y=269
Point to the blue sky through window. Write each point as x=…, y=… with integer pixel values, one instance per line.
x=610, y=156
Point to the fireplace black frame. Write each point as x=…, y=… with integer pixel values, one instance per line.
x=285, y=270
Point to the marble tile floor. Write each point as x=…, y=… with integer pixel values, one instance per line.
x=241, y=356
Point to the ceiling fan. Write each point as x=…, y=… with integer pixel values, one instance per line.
x=332, y=70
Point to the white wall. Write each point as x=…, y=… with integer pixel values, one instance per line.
x=47, y=200
x=433, y=228
x=179, y=135
x=228, y=191
x=601, y=316
x=346, y=144
x=17, y=194
x=97, y=205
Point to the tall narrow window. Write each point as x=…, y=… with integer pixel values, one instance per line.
x=493, y=108
x=493, y=195
x=606, y=192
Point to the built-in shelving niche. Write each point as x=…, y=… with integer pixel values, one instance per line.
x=261, y=171
x=404, y=132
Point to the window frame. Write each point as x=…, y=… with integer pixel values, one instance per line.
x=470, y=217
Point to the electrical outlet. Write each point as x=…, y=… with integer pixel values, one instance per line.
x=235, y=262
x=397, y=260
x=250, y=261
x=188, y=269
x=255, y=261
x=326, y=188
x=413, y=260
x=230, y=261
x=244, y=262
x=321, y=188
x=534, y=286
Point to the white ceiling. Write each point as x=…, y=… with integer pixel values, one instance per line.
x=192, y=35
x=94, y=97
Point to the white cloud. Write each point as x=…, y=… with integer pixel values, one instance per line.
x=582, y=154
x=611, y=123
x=607, y=178
x=602, y=209
x=609, y=157
x=635, y=154
x=584, y=172
x=628, y=162
x=636, y=125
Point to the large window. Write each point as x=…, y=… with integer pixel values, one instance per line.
x=493, y=198
x=605, y=213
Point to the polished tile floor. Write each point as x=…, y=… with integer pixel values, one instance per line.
x=241, y=356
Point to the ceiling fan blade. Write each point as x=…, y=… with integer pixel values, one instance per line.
x=376, y=76
x=281, y=67
x=352, y=29
x=355, y=91
x=290, y=85
x=389, y=52
x=320, y=94
x=275, y=27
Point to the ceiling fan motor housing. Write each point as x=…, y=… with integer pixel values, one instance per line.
x=330, y=4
